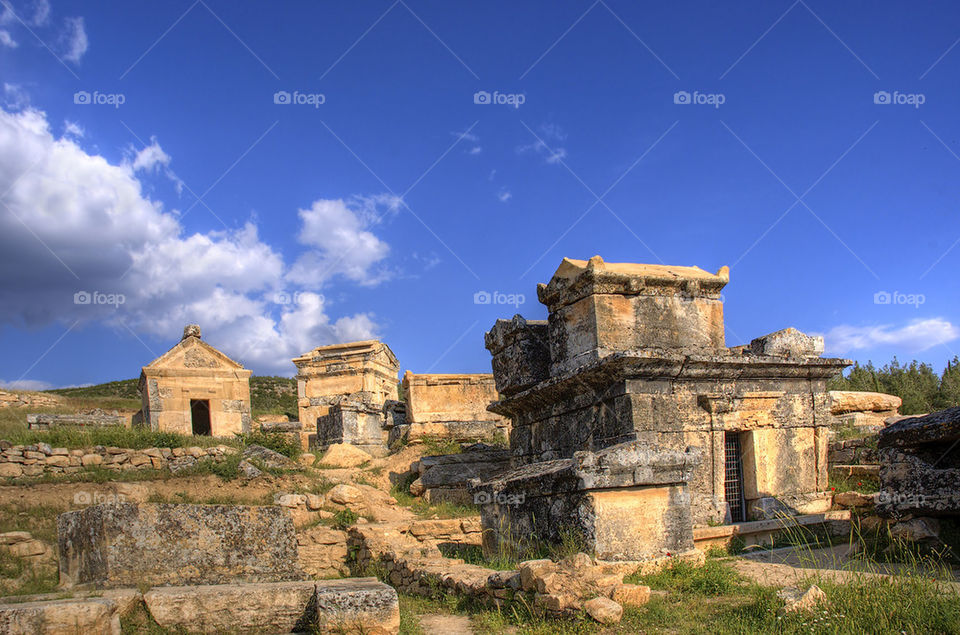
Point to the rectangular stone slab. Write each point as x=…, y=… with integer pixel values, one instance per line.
x=129, y=545
x=91, y=616
x=356, y=605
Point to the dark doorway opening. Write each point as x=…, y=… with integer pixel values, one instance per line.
x=733, y=472
x=200, y=416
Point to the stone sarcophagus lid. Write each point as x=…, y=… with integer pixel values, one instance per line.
x=636, y=353
x=625, y=502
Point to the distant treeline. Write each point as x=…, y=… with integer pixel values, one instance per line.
x=921, y=389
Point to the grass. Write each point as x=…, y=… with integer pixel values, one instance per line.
x=841, y=482
x=433, y=446
x=133, y=438
x=219, y=499
x=712, y=579
x=39, y=520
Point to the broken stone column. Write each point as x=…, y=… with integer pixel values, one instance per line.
x=626, y=502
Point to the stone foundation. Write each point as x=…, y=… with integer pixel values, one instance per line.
x=92, y=419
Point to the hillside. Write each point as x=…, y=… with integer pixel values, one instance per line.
x=274, y=395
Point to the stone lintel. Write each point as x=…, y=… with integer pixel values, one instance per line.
x=217, y=373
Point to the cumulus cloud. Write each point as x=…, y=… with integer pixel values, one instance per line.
x=916, y=336
x=504, y=195
x=7, y=40
x=15, y=97
x=337, y=233
x=81, y=241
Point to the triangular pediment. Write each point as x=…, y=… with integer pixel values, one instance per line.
x=193, y=353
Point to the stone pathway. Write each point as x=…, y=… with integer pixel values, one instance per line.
x=446, y=624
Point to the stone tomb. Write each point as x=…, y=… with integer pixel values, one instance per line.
x=452, y=406
x=346, y=394
x=195, y=389
x=128, y=545
x=636, y=353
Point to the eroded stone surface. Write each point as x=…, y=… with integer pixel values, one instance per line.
x=93, y=616
x=126, y=545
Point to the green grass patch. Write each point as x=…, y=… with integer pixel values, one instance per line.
x=711, y=579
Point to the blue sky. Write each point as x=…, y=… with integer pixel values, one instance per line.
x=144, y=156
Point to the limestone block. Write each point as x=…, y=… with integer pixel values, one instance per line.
x=127, y=545
x=843, y=401
x=344, y=455
x=788, y=343
x=93, y=616
x=604, y=610
x=278, y=607
x=10, y=470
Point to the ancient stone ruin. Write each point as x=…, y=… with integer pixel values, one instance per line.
x=866, y=411
x=626, y=402
x=453, y=407
x=195, y=389
x=344, y=394
x=920, y=466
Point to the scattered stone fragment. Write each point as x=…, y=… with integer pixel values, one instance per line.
x=269, y=458
x=604, y=610
x=796, y=599
x=344, y=455
x=345, y=494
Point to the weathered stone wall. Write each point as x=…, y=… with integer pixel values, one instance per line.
x=33, y=461
x=920, y=466
x=452, y=406
x=125, y=544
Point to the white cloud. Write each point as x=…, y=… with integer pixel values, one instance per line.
x=504, y=196
x=26, y=384
x=475, y=150
x=74, y=40
x=41, y=13
x=72, y=129
x=92, y=228
x=338, y=233
x=14, y=97
x=547, y=144
x=916, y=336
x=7, y=40
x=151, y=157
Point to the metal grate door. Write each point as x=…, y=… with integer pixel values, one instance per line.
x=733, y=483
